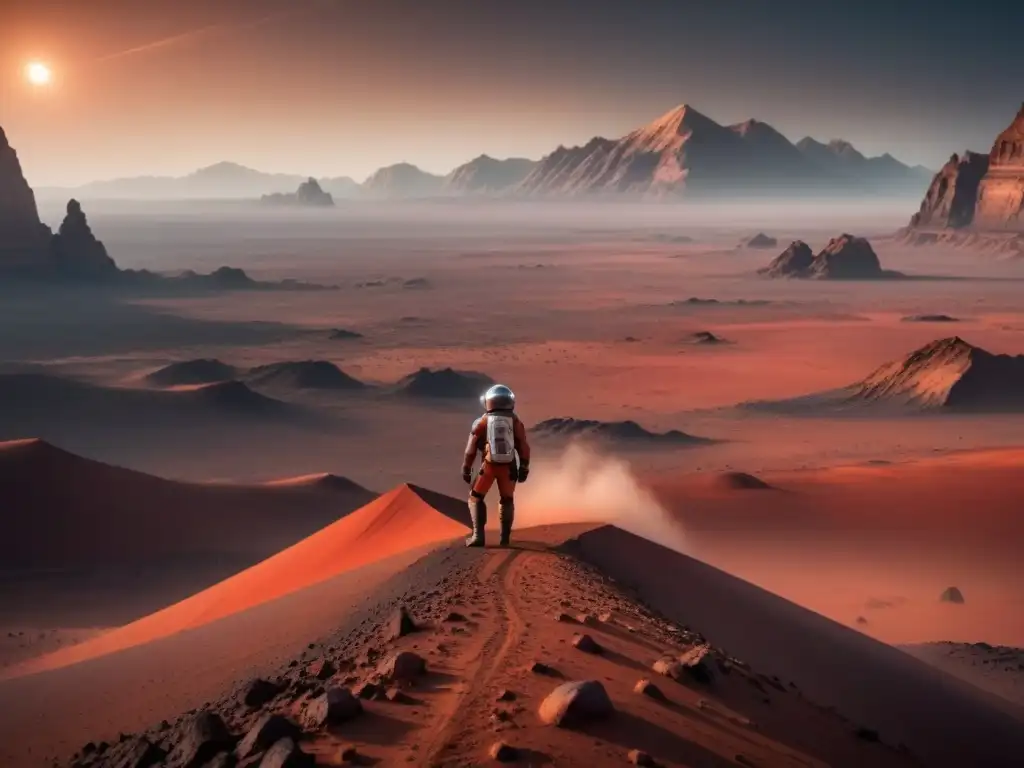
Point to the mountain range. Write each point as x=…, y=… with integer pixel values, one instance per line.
x=681, y=154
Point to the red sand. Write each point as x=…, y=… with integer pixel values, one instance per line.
x=395, y=522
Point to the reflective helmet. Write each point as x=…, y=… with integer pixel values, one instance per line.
x=498, y=398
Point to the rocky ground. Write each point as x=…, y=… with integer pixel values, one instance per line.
x=523, y=655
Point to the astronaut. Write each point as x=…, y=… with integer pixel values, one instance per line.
x=500, y=436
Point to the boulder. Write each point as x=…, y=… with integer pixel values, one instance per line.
x=647, y=688
x=336, y=705
x=402, y=666
x=639, y=757
x=138, y=753
x=259, y=692
x=587, y=644
x=503, y=753
x=268, y=730
x=400, y=624
x=576, y=703
x=287, y=754
x=199, y=741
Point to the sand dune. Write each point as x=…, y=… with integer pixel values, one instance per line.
x=874, y=684
x=489, y=668
x=29, y=399
x=397, y=521
x=444, y=383
x=303, y=374
x=867, y=531
x=65, y=511
x=186, y=372
x=620, y=432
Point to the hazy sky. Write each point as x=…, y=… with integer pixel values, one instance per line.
x=341, y=87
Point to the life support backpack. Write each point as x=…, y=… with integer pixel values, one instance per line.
x=501, y=438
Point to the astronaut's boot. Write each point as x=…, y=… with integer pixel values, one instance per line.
x=507, y=513
x=478, y=518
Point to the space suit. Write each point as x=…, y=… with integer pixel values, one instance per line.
x=499, y=435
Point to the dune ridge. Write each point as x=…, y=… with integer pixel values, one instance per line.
x=397, y=521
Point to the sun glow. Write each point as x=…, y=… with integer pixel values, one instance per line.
x=38, y=73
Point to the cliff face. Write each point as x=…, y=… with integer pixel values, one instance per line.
x=75, y=251
x=23, y=238
x=1001, y=193
x=953, y=193
x=981, y=192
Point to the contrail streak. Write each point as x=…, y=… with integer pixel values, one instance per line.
x=191, y=35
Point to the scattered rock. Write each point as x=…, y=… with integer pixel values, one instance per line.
x=503, y=753
x=565, y=618
x=587, y=619
x=260, y=692
x=540, y=668
x=605, y=618
x=349, y=754
x=268, y=730
x=647, y=688
x=692, y=664
x=862, y=620
x=506, y=695
x=952, y=595
x=706, y=337
x=287, y=754
x=201, y=738
x=743, y=481
x=403, y=666
x=321, y=669
x=587, y=644
x=337, y=705
x=454, y=616
x=576, y=703
x=141, y=753
x=400, y=624
x=395, y=695
x=367, y=690
x=639, y=757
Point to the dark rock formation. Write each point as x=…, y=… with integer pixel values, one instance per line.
x=75, y=251
x=761, y=240
x=952, y=595
x=844, y=258
x=953, y=193
x=336, y=706
x=201, y=738
x=795, y=261
x=23, y=238
x=309, y=194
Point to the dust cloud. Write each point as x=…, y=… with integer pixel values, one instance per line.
x=584, y=486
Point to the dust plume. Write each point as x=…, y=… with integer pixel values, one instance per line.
x=583, y=486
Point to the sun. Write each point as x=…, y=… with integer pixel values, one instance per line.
x=38, y=73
